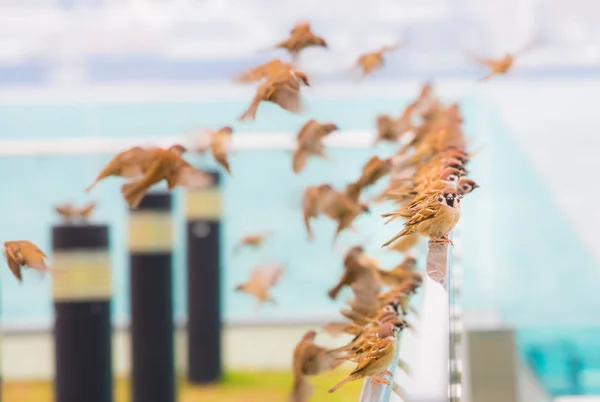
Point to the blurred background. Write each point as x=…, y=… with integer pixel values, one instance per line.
x=107, y=70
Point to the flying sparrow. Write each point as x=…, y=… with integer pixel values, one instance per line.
x=23, y=253
x=164, y=164
x=220, y=141
x=262, y=279
x=301, y=37
x=68, y=212
x=252, y=240
x=266, y=70
x=310, y=142
x=283, y=89
x=309, y=359
x=368, y=62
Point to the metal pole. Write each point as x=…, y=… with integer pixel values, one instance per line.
x=203, y=214
x=81, y=290
x=151, y=251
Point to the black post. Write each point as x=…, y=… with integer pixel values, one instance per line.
x=81, y=290
x=151, y=250
x=203, y=213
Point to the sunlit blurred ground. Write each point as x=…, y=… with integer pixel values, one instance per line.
x=242, y=386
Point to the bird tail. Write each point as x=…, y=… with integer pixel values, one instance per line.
x=334, y=329
x=339, y=384
x=301, y=390
x=299, y=160
x=134, y=192
x=404, y=232
x=250, y=113
x=225, y=163
x=91, y=186
x=335, y=291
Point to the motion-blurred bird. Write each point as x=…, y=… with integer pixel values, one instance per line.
x=369, y=62
x=262, y=279
x=401, y=272
x=126, y=164
x=376, y=360
x=501, y=65
x=283, y=89
x=310, y=142
x=164, y=164
x=312, y=204
x=341, y=208
x=266, y=70
x=308, y=360
x=301, y=37
x=23, y=253
x=220, y=142
x=434, y=220
x=254, y=240
x=69, y=213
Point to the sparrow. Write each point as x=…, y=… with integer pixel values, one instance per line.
x=68, y=212
x=308, y=360
x=220, y=142
x=465, y=186
x=368, y=62
x=310, y=142
x=23, y=253
x=301, y=37
x=262, y=279
x=434, y=220
x=341, y=208
x=312, y=204
x=283, y=89
x=126, y=164
x=266, y=70
x=164, y=164
x=352, y=269
x=252, y=240
x=129, y=164
x=375, y=361
x=374, y=170
x=502, y=64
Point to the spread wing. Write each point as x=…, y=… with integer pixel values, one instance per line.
x=14, y=266
x=266, y=275
x=307, y=131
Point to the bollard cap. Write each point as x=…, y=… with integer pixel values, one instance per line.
x=155, y=201
x=85, y=237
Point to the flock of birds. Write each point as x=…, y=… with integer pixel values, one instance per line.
x=426, y=179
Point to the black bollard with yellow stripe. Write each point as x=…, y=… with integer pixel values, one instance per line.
x=203, y=213
x=81, y=290
x=151, y=251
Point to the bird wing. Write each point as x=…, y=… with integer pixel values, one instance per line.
x=191, y=178
x=34, y=257
x=307, y=131
x=266, y=275
x=13, y=265
x=288, y=97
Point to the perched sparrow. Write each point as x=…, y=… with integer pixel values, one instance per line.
x=253, y=240
x=23, y=253
x=310, y=142
x=164, y=164
x=369, y=62
x=309, y=359
x=375, y=361
x=68, y=212
x=435, y=220
x=282, y=89
x=262, y=279
x=126, y=164
x=300, y=38
x=465, y=186
x=266, y=70
x=219, y=145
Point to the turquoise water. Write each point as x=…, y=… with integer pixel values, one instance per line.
x=521, y=257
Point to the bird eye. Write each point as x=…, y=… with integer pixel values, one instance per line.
x=452, y=178
x=440, y=199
